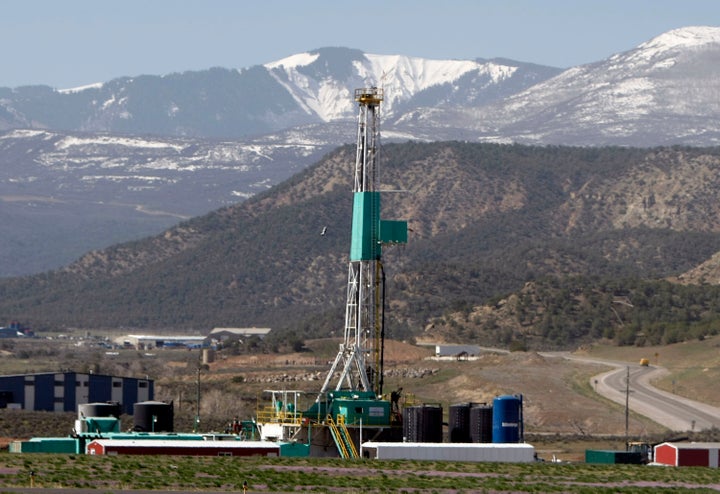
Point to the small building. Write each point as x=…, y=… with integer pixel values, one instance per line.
x=63, y=392
x=146, y=341
x=687, y=454
x=457, y=350
x=181, y=447
x=225, y=334
x=9, y=333
x=15, y=330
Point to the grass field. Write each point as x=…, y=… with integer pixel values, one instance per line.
x=202, y=474
x=563, y=418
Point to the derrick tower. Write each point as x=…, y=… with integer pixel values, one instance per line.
x=359, y=360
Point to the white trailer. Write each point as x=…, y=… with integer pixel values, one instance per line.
x=479, y=452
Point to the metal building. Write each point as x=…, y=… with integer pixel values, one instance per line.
x=688, y=454
x=181, y=447
x=63, y=392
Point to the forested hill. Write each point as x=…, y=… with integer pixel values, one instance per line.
x=485, y=220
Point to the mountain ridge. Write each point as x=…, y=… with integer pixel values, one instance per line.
x=485, y=220
x=627, y=96
x=618, y=97
x=301, y=89
x=132, y=165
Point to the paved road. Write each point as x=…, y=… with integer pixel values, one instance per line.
x=673, y=411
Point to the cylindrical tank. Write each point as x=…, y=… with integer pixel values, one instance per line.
x=481, y=423
x=108, y=409
x=507, y=419
x=459, y=423
x=423, y=424
x=153, y=416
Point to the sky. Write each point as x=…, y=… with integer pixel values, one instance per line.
x=72, y=43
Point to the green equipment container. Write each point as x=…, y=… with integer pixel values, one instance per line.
x=294, y=450
x=50, y=445
x=609, y=457
x=102, y=424
x=365, y=412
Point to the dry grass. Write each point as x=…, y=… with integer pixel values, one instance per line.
x=223, y=474
x=694, y=366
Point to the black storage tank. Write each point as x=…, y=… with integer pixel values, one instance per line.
x=107, y=409
x=459, y=423
x=481, y=423
x=423, y=424
x=153, y=416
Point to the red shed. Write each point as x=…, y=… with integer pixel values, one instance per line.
x=687, y=454
x=182, y=447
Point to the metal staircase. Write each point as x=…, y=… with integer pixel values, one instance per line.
x=342, y=438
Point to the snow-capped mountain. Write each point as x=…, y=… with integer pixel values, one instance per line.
x=663, y=92
x=78, y=164
x=302, y=89
x=322, y=82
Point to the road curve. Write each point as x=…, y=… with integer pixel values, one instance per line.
x=672, y=411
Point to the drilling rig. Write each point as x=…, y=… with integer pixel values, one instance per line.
x=360, y=355
x=350, y=399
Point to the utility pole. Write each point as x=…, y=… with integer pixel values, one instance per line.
x=196, y=428
x=627, y=408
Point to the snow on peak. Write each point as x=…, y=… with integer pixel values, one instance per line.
x=686, y=37
x=401, y=76
x=662, y=51
x=293, y=61
x=416, y=74
x=96, y=85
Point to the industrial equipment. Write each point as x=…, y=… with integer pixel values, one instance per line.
x=360, y=356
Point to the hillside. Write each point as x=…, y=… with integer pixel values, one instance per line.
x=63, y=194
x=485, y=220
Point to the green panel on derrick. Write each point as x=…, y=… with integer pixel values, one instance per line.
x=365, y=245
x=393, y=232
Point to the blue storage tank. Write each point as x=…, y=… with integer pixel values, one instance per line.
x=507, y=419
